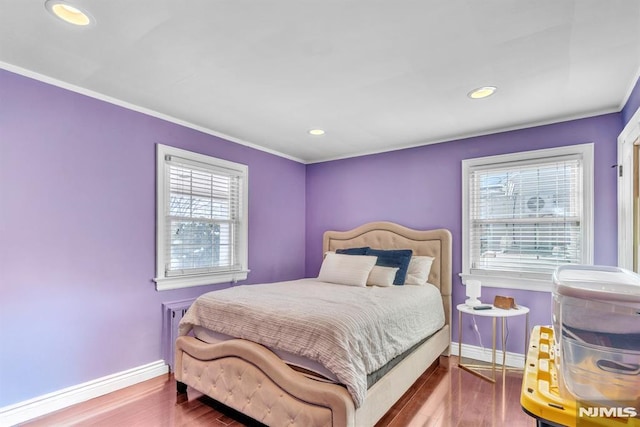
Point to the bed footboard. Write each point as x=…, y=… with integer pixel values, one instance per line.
x=251, y=379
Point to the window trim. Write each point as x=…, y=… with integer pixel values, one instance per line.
x=164, y=282
x=528, y=281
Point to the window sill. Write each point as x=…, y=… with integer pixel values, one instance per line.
x=510, y=282
x=170, y=283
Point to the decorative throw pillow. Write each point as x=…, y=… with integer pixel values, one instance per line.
x=382, y=276
x=393, y=258
x=353, y=251
x=418, y=270
x=343, y=269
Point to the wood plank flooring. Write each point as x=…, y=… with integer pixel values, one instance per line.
x=443, y=397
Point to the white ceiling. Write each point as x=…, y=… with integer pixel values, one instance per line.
x=375, y=75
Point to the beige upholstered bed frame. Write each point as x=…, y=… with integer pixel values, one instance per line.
x=254, y=381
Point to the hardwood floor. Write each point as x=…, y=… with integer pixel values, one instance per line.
x=444, y=397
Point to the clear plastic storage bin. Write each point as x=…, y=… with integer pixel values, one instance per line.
x=596, y=321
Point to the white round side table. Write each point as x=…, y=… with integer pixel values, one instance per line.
x=495, y=313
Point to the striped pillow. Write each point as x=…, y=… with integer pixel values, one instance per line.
x=352, y=270
x=382, y=276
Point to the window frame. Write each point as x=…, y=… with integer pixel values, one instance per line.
x=525, y=280
x=179, y=281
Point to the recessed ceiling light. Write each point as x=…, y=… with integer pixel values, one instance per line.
x=316, y=132
x=482, y=92
x=68, y=13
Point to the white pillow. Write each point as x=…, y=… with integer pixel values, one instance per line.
x=350, y=270
x=418, y=270
x=382, y=276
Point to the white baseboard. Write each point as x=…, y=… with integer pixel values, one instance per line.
x=45, y=404
x=515, y=360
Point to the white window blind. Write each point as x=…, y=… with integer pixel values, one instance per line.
x=526, y=217
x=202, y=227
x=202, y=218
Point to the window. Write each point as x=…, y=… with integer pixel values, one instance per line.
x=201, y=220
x=524, y=214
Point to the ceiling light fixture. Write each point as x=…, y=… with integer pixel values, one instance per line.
x=68, y=13
x=482, y=92
x=316, y=132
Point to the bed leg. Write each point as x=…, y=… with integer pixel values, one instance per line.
x=181, y=388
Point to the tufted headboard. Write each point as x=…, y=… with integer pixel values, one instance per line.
x=387, y=235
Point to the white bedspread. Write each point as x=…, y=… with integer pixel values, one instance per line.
x=352, y=331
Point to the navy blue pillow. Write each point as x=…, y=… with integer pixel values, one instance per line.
x=393, y=258
x=353, y=251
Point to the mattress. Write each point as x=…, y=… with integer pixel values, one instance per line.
x=346, y=330
x=315, y=369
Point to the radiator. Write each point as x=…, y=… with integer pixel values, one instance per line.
x=172, y=312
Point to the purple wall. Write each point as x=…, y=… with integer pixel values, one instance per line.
x=77, y=226
x=77, y=219
x=421, y=188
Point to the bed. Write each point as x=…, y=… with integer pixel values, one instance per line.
x=258, y=381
